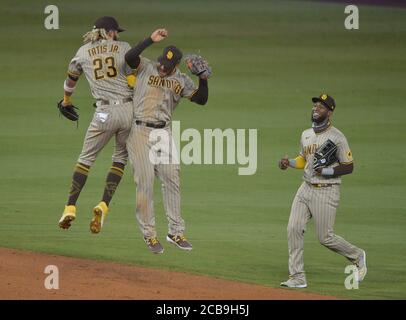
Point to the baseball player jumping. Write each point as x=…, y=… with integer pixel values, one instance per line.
x=102, y=61
x=325, y=157
x=160, y=86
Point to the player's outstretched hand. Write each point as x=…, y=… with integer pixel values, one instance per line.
x=284, y=163
x=159, y=35
x=198, y=66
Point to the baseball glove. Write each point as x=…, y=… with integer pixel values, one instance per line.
x=68, y=111
x=325, y=155
x=198, y=66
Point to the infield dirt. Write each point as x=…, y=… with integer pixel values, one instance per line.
x=22, y=277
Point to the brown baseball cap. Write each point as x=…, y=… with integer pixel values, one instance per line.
x=326, y=100
x=107, y=23
x=170, y=57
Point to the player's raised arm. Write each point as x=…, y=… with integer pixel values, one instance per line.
x=198, y=66
x=202, y=94
x=132, y=57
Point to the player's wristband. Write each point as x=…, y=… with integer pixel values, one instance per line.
x=292, y=163
x=67, y=88
x=66, y=100
x=327, y=171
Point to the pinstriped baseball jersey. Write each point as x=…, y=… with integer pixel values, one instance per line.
x=309, y=143
x=105, y=68
x=156, y=98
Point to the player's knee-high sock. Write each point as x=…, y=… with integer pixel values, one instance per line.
x=113, y=179
x=78, y=181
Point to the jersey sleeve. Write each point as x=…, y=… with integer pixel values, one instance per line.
x=75, y=65
x=189, y=89
x=344, y=153
x=127, y=69
x=126, y=46
x=301, y=149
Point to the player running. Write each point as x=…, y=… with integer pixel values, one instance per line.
x=102, y=61
x=319, y=194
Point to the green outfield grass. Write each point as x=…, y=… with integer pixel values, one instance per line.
x=269, y=58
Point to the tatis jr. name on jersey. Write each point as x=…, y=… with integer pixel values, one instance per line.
x=157, y=81
x=104, y=48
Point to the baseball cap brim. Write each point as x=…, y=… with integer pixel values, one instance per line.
x=166, y=63
x=108, y=23
x=317, y=99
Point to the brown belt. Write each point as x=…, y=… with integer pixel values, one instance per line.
x=115, y=102
x=156, y=125
x=323, y=185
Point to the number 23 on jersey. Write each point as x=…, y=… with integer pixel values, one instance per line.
x=104, y=67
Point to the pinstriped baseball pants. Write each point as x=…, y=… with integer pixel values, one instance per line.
x=321, y=204
x=108, y=121
x=139, y=147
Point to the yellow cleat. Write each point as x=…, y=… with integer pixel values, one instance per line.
x=99, y=214
x=69, y=214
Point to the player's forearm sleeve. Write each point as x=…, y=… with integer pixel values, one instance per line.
x=202, y=93
x=343, y=169
x=132, y=57
x=299, y=162
x=68, y=87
